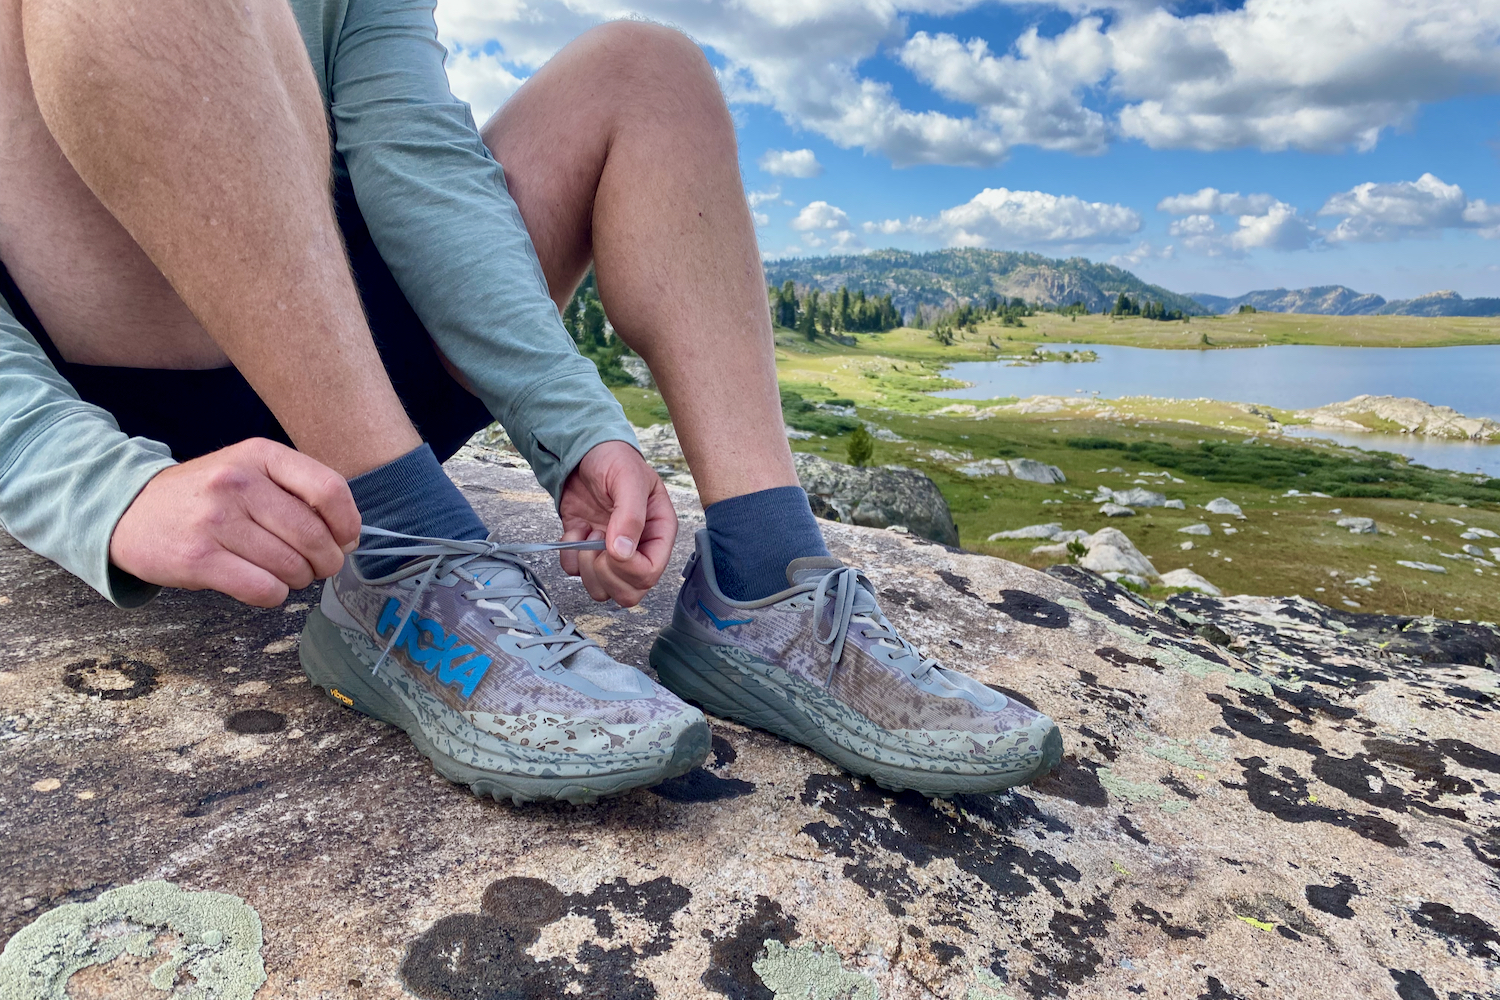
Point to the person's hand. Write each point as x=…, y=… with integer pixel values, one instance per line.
x=615, y=495
x=252, y=520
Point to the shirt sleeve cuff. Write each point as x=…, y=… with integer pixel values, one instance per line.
x=564, y=419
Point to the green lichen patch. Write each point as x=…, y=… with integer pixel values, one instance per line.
x=220, y=943
x=808, y=973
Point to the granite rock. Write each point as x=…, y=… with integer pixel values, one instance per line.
x=1261, y=797
x=877, y=497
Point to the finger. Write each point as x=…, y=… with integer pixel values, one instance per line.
x=574, y=532
x=627, y=518
x=621, y=590
x=642, y=571
x=245, y=582
x=589, y=564
x=264, y=550
x=296, y=524
x=316, y=485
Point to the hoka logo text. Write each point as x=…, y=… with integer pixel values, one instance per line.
x=440, y=653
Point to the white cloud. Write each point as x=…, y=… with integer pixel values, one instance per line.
x=482, y=80
x=1375, y=213
x=790, y=163
x=1212, y=201
x=998, y=217
x=820, y=215
x=1031, y=97
x=761, y=219
x=1272, y=74
x=759, y=198
x=1143, y=252
x=1277, y=227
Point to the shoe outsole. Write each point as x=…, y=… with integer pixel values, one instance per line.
x=346, y=680
x=693, y=674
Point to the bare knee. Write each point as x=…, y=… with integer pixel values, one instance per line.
x=651, y=68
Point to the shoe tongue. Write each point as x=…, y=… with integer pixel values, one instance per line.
x=508, y=576
x=809, y=569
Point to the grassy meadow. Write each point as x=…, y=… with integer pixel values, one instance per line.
x=1285, y=545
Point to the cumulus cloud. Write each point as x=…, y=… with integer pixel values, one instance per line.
x=1212, y=201
x=1278, y=226
x=999, y=217
x=482, y=80
x=790, y=163
x=759, y=198
x=1270, y=74
x=1143, y=252
x=1376, y=213
x=820, y=215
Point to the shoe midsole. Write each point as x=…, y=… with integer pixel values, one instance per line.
x=390, y=695
x=748, y=688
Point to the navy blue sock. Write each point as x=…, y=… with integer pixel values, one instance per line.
x=754, y=536
x=412, y=495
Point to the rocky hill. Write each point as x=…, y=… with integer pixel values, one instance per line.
x=1337, y=300
x=944, y=278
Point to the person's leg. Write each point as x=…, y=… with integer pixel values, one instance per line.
x=199, y=127
x=196, y=143
x=620, y=150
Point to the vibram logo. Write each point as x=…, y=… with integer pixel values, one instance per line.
x=341, y=696
x=441, y=652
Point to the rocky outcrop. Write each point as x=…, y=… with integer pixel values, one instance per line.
x=1260, y=797
x=1401, y=415
x=1025, y=469
x=884, y=497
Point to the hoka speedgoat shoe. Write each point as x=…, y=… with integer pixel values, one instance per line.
x=463, y=649
x=820, y=665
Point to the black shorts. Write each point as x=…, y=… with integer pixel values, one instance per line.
x=196, y=412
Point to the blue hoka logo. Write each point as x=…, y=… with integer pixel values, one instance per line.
x=722, y=623
x=440, y=653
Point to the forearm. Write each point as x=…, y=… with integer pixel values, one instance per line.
x=67, y=472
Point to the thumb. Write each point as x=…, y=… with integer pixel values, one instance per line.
x=627, y=520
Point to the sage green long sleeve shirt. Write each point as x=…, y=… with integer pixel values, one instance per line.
x=438, y=211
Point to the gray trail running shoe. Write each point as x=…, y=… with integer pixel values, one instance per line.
x=820, y=665
x=463, y=649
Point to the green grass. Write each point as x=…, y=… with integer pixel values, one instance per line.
x=1286, y=545
x=1262, y=329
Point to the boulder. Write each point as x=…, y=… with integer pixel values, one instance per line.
x=878, y=497
x=1423, y=566
x=1345, y=810
x=1031, y=531
x=1110, y=551
x=1116, y=510
x=1180, y=578
x=1196, y=529
x=1021, y=468
x=636, y=368
x=1474, y=550
x=1476, y=533
x=1175, y=505
x=1137, y=497
x=1223, y=505
x=659, y=444
x=1036, y=472
x=1358, y=525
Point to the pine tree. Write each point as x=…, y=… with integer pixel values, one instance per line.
x=861, y=447
x=593, y=324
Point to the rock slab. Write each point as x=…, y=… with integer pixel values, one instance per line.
x=1261, y=798
x=877, y=497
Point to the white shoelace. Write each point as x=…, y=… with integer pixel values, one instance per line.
x=479, y=562
x=852, y=595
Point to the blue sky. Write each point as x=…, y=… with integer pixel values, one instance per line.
x=1215, y=147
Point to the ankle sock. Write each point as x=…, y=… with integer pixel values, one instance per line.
x=412, y=495
x=754, y=536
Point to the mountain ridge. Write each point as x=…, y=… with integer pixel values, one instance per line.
x=1340, y=300
x=939, y=279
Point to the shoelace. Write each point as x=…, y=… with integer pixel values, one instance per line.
x=848, y=588
x=467, y=559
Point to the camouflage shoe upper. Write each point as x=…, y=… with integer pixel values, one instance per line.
x=827, y=630
x=470, y=628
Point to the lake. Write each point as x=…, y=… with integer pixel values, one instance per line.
x=1286, y=376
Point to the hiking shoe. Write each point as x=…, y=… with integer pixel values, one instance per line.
x=820, y=665
x=463, y=649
